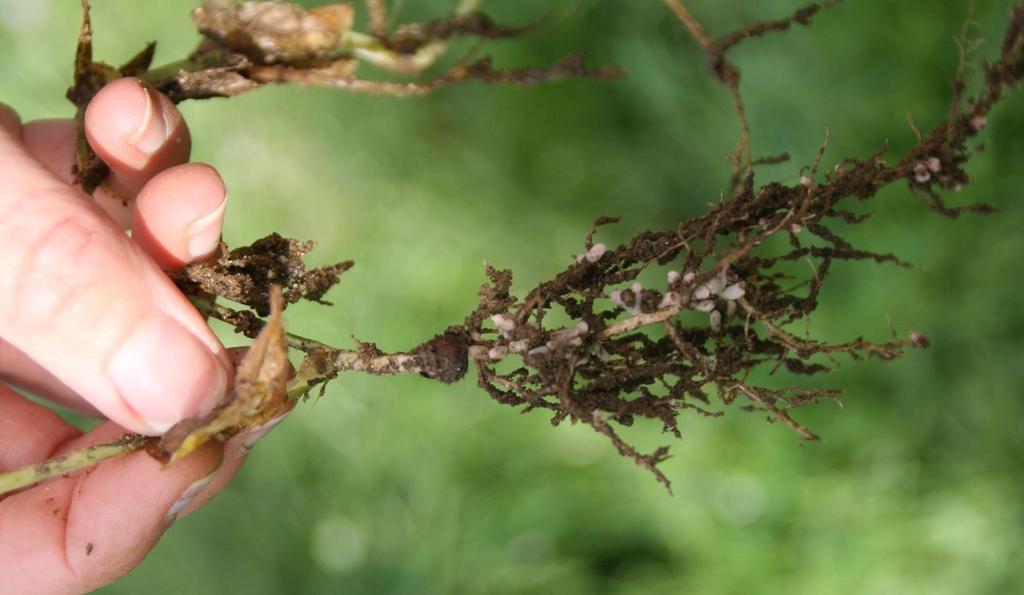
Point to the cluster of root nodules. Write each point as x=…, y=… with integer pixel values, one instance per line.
x=687, y=344
x=630, y=351
x=731, y=291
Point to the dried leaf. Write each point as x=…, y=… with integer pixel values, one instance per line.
x=89, y=78
x=140, y=62
x=275, y=32
x=263, y=373
x=246, y=275
x=259, y=395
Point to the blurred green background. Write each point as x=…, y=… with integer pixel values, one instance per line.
x=406, y=486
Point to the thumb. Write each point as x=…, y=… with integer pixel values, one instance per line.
x=83, y=301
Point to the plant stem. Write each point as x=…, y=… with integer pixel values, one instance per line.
x=70, y=462
x=687, y=18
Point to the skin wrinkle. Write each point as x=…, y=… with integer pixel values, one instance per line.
x=54, y=274
x=71, y=288
x=56, y=427
x=17, y=163
x=19, y=370
x=38, y=273
x=51, y=142
x=48, y=194
x=3, y=513
x=65, y=523
x=65, y=518
x=13, y=225
x=67, y=305
x=62, y=444
x=61, y=500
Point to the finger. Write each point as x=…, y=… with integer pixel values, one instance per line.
x=52, y=143
x=15, y=366
x=75, y=534
x=178, y=215
x=29, y=433
x=134, y=129
x=10, y=122
x=137, y=131
x=178, y=219
x=85, y=302
x=22, y=371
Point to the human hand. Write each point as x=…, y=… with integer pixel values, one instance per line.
x=89, y=319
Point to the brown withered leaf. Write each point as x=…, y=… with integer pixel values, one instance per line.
x=89, y=77
x=246, y=275
x=275, y=32
x=258, y=397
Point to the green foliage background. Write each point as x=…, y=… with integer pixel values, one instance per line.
x=405, y=486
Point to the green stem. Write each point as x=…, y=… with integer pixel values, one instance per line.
x=70, y=462
x=171, y=69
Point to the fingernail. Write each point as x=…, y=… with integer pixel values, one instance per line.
x=204, y=234
x=188, y=496
x=257, y=433
x=155, y=128
x=165, y=374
